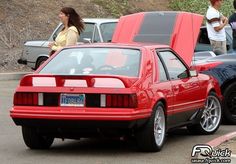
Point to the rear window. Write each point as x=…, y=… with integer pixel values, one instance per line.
x=86, y=61
x=107, y=30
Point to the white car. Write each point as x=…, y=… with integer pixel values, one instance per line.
x=96, y=30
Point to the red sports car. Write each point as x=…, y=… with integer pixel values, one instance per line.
x=114, y=89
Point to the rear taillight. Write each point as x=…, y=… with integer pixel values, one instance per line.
x=25, y=99
x=119, y=100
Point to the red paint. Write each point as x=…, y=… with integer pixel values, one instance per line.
x=185, y=35
x=178, y=95
x=127, y=27
x=206, y=66
x=183, y=38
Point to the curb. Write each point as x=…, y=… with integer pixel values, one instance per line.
x=217, y=141
x=12, y=76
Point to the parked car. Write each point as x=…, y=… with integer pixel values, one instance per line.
x=117, y=89
x=203, y=43
x=202, y=55
x=223, y=68
x=120, y=90
x=96, y=30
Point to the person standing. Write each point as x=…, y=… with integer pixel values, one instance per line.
x=215, y=23
x=232, y=22
x=73, y=26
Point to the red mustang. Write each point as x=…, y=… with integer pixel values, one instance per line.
x=137, y=89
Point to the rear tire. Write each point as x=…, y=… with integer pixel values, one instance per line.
x=152, y=136
x=211, y=117
x=229, y=104
x=35, y=140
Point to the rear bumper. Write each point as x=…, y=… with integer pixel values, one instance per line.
x=77, y=124
x=86, y=117
x=76, y=129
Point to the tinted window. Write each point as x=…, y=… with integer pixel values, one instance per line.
x=84, y=61
x=175, y=67
x=107, y=30
x=88, y=32
x=203, y=36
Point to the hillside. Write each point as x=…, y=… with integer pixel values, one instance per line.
x=33, y=20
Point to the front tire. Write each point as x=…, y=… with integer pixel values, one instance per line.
x=35, y=140
x=229, y=104
x=211, y=116
x=152, y=136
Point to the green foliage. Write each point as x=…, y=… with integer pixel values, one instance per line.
x=116, y=8
x=200, y=6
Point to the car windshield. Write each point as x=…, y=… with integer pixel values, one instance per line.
x=86, y=61
x=107, y=30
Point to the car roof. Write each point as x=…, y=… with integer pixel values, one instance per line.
x=121, y=45
x=100, y=20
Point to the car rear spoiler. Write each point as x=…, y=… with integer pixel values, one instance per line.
x=60, y=80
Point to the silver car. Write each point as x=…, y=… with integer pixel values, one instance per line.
x=96, y=30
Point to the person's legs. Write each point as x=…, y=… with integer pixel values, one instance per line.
x=223, y=47
x=219, y=47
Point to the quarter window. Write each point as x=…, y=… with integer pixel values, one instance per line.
x=161, y=72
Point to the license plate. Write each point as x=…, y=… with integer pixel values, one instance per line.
x=72, y=100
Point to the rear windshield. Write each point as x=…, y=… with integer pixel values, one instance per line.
x=86, y=61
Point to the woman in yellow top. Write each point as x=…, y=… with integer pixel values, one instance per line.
x=73, y=26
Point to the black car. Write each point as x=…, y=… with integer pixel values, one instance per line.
x=223, y=68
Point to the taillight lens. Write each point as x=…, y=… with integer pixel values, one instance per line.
x=25, y=99
x=121, y=100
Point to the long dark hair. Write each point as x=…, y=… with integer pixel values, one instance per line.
x=74, y=18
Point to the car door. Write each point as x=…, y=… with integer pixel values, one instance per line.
x=186, y=101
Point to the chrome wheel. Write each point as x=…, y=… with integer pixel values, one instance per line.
x=159, y=126
x=151, y=137
x=211, y=115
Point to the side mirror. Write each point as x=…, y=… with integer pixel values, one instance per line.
x=54, y=37
x=193, y=73
x=183, y=75
x=87, y=40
